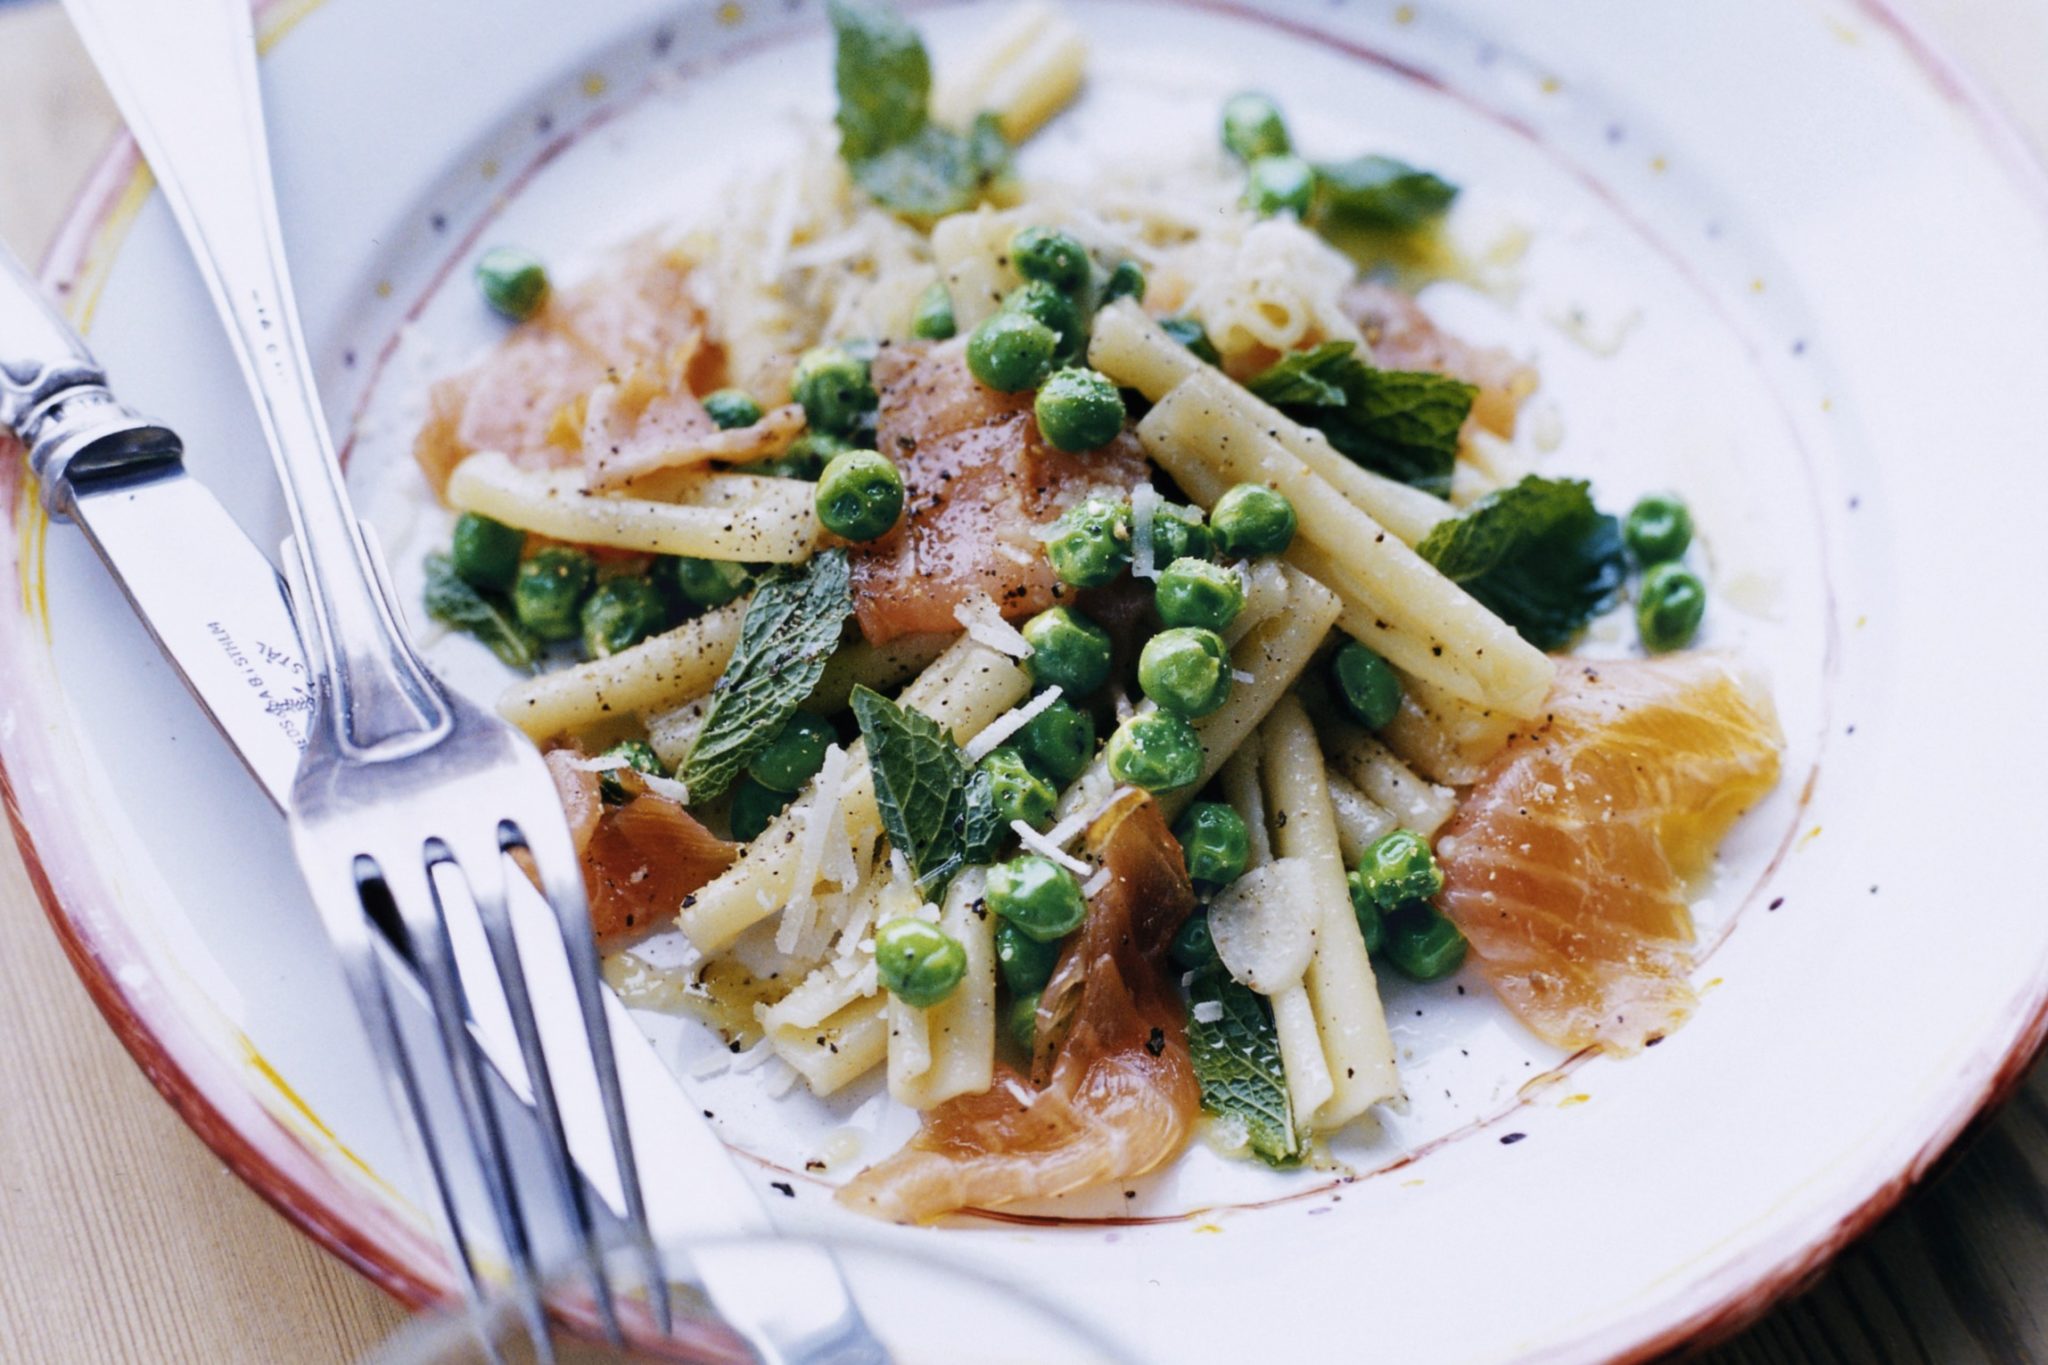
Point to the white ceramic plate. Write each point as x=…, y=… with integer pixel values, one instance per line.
x=1779, y=258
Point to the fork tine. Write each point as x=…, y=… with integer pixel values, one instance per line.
x=348, y=929
x=410, y=884
x=483, y=869
x=561, y=878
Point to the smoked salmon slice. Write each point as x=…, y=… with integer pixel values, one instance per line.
x=636, y=310
x=1567, y=865
x=1119, y=1096
x=979, y=485
x=640, y=859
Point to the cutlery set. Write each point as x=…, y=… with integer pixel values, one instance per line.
x=428, y=831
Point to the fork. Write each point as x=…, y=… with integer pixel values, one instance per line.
x=410, y=802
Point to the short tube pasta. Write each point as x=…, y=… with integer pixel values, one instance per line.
x=1384, y=779
x=956, y=1038
x=1027, y=70
x=1349, y=1019
x=655, y=674
x=1396, y=602
x=1444, y=738
x=1361, y=821
x=777, y=524
x=1135, y=351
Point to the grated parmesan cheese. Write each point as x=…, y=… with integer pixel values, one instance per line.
x=985, y=625
x=1145, y=502
x=1243, y=676
x=1009, y=723
x=1069, y=829
x=1039, y=843
x=1096, y=884
x=1207, y=1011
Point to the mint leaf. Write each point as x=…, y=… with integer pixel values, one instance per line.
x=895, y=153
x=1400, y=423
x=1312, y=378
x=791, y=628
x=1380, y=193
x=982, y=829
x=488, y=617
x=883, y=75
x=1237, y=1061
x=1403, y=424
x=931, y=174
x=921, y=789
x=1539, y=555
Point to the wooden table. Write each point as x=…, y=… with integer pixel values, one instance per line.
x=123, y=1239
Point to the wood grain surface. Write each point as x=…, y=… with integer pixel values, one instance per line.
x=123, y=1239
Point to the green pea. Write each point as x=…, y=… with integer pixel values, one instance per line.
x=1214, y=842
x=1022, y=1022
x=1038, y=896
x=1047, y=304
x=1193, y=947
x=1127, y=281
x=1025, y=963
x=860, y=495
x=1011, y=352
x=753, y=806
x=1252, y=127
x=1178, y=532
x=710, y=583
x=1079, y=409
x=1669, y=606
x=514, y=282
x=621, y=613
x=1371, y=924
x=1368, y=684
x=731, y=408
x=1068, y=651
x=796, y=753
x=1280, y=184
x=549, y=593
x=1042, y=253
x=486, y=553
x=1019, y=793
x=805, y=459
x=933, y=320
x=640, y=757
x=1196, y=592
x=1091, y=543
x=1423, y=945
x=1251, y=520
x=919, y=963
x=1658, y=529
x=1186, y=670
x=1059, y=741
x=834, y=389
x=1398, y=869
x=1157, y=751
x=1190, y=333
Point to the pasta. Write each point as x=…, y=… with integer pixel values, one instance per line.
x=774, y=523
x=1089, y=758
x=663, y=671
x=1207, y=437
x=949, y=1049
x=1345, y=999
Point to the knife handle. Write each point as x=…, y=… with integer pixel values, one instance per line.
x=54, y=397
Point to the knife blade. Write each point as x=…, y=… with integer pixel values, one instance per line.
x=224, y=621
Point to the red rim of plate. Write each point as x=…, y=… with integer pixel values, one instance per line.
x=282, y=1167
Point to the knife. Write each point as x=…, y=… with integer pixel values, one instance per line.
x=225, y=623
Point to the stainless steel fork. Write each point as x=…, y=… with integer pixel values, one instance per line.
x=410, y=801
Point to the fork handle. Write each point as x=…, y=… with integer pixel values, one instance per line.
x=184, y=76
